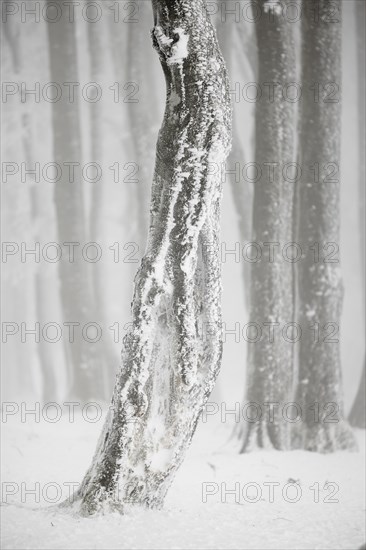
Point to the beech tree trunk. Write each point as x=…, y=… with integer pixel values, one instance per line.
x=75, y=287
x=39, y=206
x=107, y=357
x=241, y=189
x=270, y=359
x=320, y=287
x=172, y=354
x=357, y=415
x=142, y=118
x=16, y=284
x=43, y=291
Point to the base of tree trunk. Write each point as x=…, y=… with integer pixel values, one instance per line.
x=97, y=503
x=324, y=438
x=266, y=435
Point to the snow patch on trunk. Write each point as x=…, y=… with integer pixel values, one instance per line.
x=175, y=52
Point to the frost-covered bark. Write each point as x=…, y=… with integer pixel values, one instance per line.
x=270, y=360
x=320, y=287
x=172, y=354
x=70, y=210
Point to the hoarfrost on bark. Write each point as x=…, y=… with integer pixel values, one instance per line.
x=175, y=49
x=169, y=362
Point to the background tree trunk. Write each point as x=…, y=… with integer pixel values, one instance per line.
x=44, y=303
x=357, y=415
x=241, y=189
x=107, y=358
x=70, y=210
x=270, y=363
x=142, y=118
x=172, y=353
x=320, y=287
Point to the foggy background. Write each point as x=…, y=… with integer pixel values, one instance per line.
x=131, y=84
x=83, y=98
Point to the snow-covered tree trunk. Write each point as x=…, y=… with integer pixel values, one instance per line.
x=320, y=287
x=172, y=354
x=75, y=285
x=270, y=360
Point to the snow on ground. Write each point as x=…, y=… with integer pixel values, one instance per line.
x=197, y=513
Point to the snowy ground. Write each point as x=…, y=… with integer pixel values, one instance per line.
x=58, y=454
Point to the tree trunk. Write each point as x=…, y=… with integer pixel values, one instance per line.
x=69, y=201
x=172, y=353
x=320, y=287
x=107, y=358
x=38, y=202
x=44, y=305
x=270, y=360
x=241, y=190
x=141, y=118
x=357, y=415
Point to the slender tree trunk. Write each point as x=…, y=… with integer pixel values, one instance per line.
x=320, y=287
x=270, y=360
x=41, y=279
x=357, y=415
x=42, y=289
x=107, y=358
x=69, y=201
x=241, y=190
x=172, y=353
x=142, y=118
x=11, y=34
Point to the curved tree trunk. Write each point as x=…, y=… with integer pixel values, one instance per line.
x=320, y=287
x=270, y=360
x=172, y=353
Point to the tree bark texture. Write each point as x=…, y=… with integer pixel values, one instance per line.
x=270, y=359
x=320, y=286
x=357, y=415
x=172, y=354
x=241, y=189
x=75, y=287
